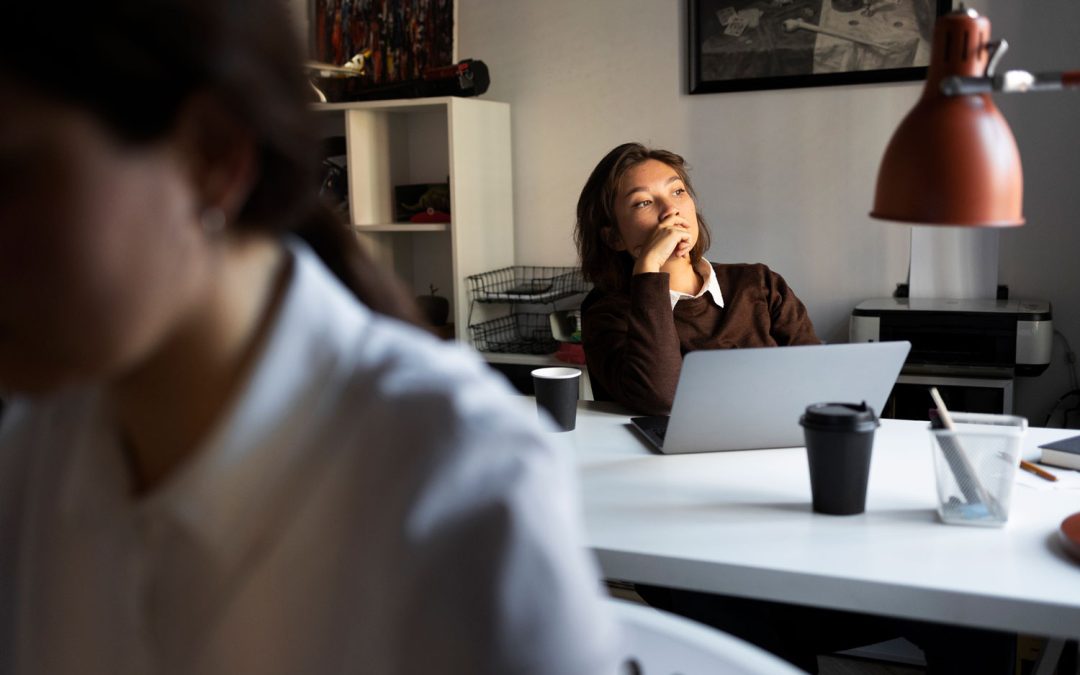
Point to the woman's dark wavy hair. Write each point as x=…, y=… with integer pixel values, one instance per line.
x=134, y=64
x=608, y=269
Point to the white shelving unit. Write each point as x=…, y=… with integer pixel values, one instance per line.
x=431, y=140
x=465, y=141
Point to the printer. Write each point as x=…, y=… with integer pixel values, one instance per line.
x=972, y=338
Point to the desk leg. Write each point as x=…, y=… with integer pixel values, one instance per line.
x=1049, y=657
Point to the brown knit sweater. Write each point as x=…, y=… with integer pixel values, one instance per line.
x=634, y=342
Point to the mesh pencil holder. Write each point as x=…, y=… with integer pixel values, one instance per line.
x=975, y=465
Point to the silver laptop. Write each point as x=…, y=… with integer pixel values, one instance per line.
x=744, y=399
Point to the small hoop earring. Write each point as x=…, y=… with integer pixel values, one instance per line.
x=213, y=220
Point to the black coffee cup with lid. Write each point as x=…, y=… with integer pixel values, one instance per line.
x=839, y=440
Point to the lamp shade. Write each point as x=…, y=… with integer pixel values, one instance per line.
x=953, y=159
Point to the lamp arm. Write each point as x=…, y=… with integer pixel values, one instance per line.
x=1011, y=81
x=997, y=50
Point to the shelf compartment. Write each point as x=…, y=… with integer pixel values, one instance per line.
x=521, y=333
x=401, y=227
x=459, y=141
x=527, y=284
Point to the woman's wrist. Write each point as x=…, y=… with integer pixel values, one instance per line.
x=645, y=266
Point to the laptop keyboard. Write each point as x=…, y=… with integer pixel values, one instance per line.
x=654, y=427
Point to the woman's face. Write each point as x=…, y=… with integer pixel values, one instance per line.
x=651, y=193
x=99, y=245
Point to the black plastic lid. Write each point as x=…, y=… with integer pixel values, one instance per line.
x=839, y=417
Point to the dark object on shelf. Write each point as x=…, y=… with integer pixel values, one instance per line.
x=334, y=183
x=434, y=308
x=522, y=333
x=526, y=284
x=333, y=146
x=467, y=78
x=430, y=216
x=422, y=203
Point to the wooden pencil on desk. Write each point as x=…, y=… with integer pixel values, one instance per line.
x=1041, y=473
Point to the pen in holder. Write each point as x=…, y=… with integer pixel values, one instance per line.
x=975, y=464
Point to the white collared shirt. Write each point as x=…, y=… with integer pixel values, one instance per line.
x=374, y=502
x=709, y=286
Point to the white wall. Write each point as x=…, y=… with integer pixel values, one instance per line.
x=1042, y=259
x=785, y=176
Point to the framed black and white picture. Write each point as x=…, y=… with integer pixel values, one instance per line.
x=738, y=45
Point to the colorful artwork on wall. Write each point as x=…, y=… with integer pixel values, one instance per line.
x=400, y=38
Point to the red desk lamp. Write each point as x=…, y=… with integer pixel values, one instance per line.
x=953, y=159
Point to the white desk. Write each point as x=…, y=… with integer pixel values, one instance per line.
x=740, y=523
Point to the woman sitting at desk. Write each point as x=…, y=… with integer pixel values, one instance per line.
x=641, y=242
x=656, y=298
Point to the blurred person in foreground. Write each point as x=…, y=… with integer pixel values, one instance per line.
x=225, y=449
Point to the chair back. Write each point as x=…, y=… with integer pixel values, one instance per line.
x=598, y=391
x=656, y=642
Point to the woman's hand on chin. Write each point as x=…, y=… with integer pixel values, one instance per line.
x=670, y=243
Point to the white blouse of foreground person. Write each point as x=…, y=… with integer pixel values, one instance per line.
x=375, y=501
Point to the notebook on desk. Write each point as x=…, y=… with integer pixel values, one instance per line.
x=744, y=399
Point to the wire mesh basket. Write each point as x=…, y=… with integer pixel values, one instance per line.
x=521, y=333
x=522, y=283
